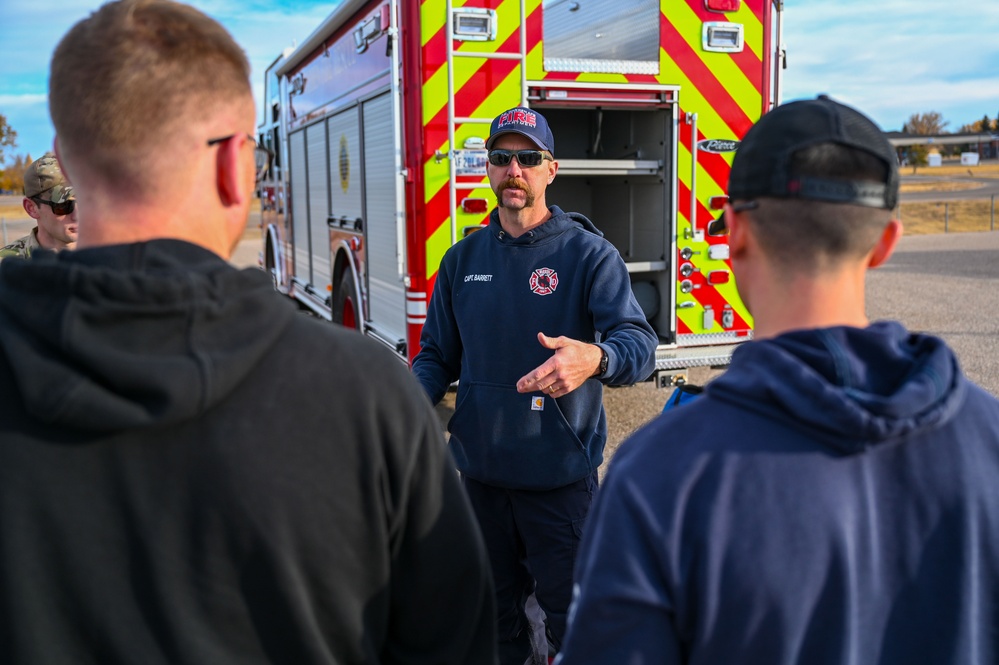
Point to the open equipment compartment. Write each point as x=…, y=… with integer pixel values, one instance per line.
x=616, y=166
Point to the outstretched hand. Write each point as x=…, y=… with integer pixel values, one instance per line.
x=571, y=365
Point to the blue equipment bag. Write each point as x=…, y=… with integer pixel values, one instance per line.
x=682, y=394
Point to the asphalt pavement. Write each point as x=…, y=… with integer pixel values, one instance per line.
x=978, y=188
x=946, y=285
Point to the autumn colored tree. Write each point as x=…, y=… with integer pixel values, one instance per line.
x=977, y=127
x=925, y=124
x=8, y=137
x=12, y=177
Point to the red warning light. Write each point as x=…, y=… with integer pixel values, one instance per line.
x=717, y=202
x=722, y=5
x=474, y=206
x=718, y=277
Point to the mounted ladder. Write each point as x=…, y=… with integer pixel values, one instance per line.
x=483, y=22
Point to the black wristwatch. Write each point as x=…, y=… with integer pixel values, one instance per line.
x=603, y=362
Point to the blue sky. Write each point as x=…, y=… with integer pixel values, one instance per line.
x=890, y=58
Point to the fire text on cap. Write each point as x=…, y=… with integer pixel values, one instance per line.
x=518, y=117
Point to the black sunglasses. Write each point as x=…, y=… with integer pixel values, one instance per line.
x=58, y=209
x=262, y=156
x=718, y=227
x=527, y=158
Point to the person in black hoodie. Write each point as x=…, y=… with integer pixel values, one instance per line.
x=191, y=471
x=833, y=498
x=532, y=315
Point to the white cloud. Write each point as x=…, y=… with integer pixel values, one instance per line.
x=895, y=58
x=8, y=101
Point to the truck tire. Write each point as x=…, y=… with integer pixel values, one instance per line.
x=346, y=310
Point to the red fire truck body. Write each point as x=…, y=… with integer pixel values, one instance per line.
x=379, y=120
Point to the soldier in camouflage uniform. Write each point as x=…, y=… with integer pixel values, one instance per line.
x=50, y=201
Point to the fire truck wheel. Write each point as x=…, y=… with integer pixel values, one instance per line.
x=345, y=306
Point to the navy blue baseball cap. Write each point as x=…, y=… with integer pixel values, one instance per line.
x=525, y=122
x=762, y=165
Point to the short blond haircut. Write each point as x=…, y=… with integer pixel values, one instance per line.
x=133, y=74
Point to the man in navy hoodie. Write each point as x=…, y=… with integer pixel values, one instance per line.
x=532, y=315
x=833, y=496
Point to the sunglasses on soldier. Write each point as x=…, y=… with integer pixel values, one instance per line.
x=528, y=158
x=58, y=209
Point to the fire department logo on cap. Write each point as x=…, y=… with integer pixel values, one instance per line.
x=524, y=122
x=517, y=117
x=544, y=281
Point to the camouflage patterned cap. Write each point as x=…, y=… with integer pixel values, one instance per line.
x=44, y=175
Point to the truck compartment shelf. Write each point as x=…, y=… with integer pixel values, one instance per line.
x=608, y=167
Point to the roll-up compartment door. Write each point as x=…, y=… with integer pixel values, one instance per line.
x=315, y=137
x=386, y=296
x=299, y=205
x=345, y=166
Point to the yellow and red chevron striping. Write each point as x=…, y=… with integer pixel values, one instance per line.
x=715, y=93
x=489, y=76
x=483, y=88
x=746, y=60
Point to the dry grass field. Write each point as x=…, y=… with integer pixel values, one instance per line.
x=11, y=209
x=949, y=217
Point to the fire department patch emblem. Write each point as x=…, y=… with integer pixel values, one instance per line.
x=544, y=281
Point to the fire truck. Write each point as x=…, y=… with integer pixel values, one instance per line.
x=379, y=120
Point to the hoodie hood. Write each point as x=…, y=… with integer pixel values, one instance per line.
x=559, y=223
x=850, y=388
x=126, y=336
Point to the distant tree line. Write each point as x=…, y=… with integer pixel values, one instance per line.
x=932, y=123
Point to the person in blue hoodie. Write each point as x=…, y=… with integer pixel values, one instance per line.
x=531, y=315
x=833, y=497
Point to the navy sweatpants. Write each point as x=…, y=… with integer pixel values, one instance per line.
x=532, y=538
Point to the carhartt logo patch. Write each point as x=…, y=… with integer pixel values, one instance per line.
x=537, y=404
x=544, y=281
